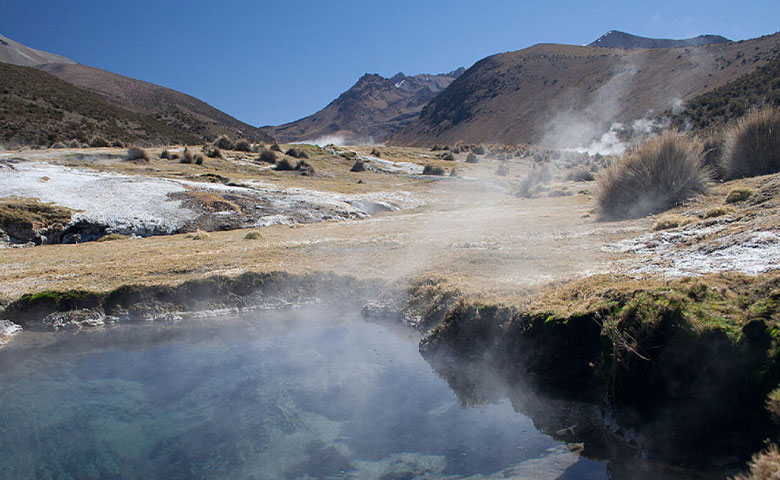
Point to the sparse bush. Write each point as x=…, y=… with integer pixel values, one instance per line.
x=376, y=153
x=137, y=153
x=359, y=166
x=753, y=146
x=716, y=212
x=670, y=221
x=660, y=174
x=198, y=235
x=58, y=145
x=212, y=151
x=580, y=175
x=472, y=158
x=223, y=142
x=764, y=465
x=276, y=148
x=296, y=153
x=738, y=195
x=253, y=236
x=98, y=142
x=432, y=170
x=283, y=164
x=243, y=145
x=267, y=156
x=165, y=155
x=304, y=168
x=187, y=156
x=479, y=150
x=118, y=144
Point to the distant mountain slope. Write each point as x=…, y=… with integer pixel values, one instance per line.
x=17, y=54
x=37, y=108
x=182, y=112
x=177, y=109
x=373, y=109
x=733, y=100
x=564, y=95
x=617, y=39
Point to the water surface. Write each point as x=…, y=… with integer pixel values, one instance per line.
x=294, y=394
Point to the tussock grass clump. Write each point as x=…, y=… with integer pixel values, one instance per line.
x=198, y=159
x=738, y=195
x=113, y=236
x=376, y=153
x=753, y=145
x=118, y=144
x=74, y=144
x=276, y=148
x=671, y=221
x=212, y=151
x=449, y=156
x=432, y=170
x=764, y=465
x=98, y=142
x=223, y=142
x=283, y=164
x=580, y=175
x=304, y=168
x=136, y=154
x=479, y=150
x=296, y=153
x=243, y=145
x=472, y=158
x=716, y=212
x=197, y=235
x=187, y=156
x=502, y=171
x=253, y=236
x=267, y=156
x=660, y=174
x=165, y=155
x=359, y=166
x=58, y=145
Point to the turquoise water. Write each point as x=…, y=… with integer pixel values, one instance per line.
x=274, y=395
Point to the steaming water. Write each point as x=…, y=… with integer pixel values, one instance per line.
x=277, y=395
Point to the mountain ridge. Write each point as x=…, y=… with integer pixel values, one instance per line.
x=618, y=39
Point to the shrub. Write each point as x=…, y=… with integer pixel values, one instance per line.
x=661, y=173
x=304, y=168
x=670, y=221
x=432, y=170
x=98, y=142
x=753, y=145
x=223, y=142
x=243, y=145
x=472, y=158
x=165, y=155
x=358, y=166
x=198, y=159
x=738, y=195
x=580, y=175
x=137, y=153
x=283, y=164
x=267, y=156
x=187, y=156
x=376, y=153
x=276, y=148
x=479, y=150
x=296, y=153
x=212, y=152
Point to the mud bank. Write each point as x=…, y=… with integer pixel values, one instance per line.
x=218, y=295
x=678, y=371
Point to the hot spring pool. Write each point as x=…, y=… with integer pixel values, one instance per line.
x=291, y=394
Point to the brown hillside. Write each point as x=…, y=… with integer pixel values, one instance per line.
x=374, y=109
x=174, y=108
x=564, y=95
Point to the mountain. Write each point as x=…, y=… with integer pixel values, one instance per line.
x=566, y=95
x=37, y=108
x=617, y=39
x=181, y=112
x=17, y=54
x=372, y=110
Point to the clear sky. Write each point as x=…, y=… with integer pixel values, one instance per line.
x=269, y=62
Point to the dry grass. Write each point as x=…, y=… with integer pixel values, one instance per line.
x=764, y=465
x=671, y=221
x=753, y=146
x=660, y=174
x=738, y=195
x=137, y=154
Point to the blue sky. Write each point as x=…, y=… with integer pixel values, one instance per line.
x=269, y=62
